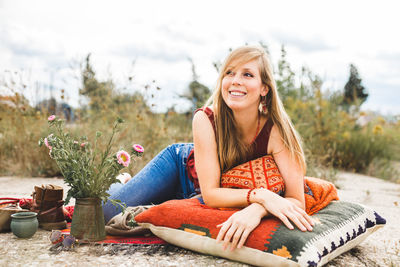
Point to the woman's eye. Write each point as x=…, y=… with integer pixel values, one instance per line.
x=248, y=74
x=228, y=72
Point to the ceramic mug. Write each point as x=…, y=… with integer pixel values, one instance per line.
x=24, y=224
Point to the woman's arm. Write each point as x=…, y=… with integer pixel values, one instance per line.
x=289, y=168
x=292, y=206
x=208, y=169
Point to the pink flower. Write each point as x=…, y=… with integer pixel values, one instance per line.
x=138, y=148
x=123, y=158
x=46, y=143
x=51, y=118
x=83, y=144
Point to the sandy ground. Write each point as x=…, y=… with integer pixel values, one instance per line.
x=380, y=249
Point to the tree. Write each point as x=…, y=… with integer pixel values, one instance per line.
x=354, y=92
x=197, y=93
x=136, y=99
x=285, y=81
x=99, y=93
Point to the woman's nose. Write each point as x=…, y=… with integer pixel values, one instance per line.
x=236, y=79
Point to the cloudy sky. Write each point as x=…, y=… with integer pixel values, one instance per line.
x=44, y=41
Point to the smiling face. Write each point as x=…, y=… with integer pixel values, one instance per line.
x=242, y=86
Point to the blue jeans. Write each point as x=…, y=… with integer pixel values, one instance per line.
x=163, y=178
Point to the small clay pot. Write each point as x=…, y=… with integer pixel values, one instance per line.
x=5, y=217
x=24, y=224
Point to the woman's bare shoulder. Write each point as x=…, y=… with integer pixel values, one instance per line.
x=275, y=143
x=203, y=134
x=201, y=122
x=199, y=116
x=275, y=132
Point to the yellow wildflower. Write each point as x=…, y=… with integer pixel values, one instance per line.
x=377, y=130
x=381, y=120
x=343, y=114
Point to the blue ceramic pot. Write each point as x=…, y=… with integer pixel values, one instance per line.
x=24, y=224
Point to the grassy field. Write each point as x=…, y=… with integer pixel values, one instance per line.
x=334, y=136
x=332, y=139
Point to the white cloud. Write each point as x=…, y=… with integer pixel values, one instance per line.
x=43, y=37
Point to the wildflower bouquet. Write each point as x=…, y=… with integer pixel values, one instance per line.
x=88, y=171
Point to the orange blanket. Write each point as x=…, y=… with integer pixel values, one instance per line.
x=322, y=193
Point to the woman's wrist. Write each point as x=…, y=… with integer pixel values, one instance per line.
x=258, y=196
x=259, y=209
x=248, y=196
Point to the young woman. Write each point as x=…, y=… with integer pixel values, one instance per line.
x=242, y=121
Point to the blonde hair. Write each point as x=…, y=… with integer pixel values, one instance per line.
x=231, y=149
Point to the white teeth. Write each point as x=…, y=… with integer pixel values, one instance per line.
x=237, y=93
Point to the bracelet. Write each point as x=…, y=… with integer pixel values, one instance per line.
x=248, y=196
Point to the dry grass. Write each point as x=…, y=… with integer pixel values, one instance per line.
x=333, y=138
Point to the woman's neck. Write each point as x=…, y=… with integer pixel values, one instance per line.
x=247, y=122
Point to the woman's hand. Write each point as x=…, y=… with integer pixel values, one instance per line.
x=284, y=210
x=238, y=227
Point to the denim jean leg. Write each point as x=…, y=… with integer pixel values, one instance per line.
x=158, y=181
x=182, y=152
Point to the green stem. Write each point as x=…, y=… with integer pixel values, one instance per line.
x=105, y=155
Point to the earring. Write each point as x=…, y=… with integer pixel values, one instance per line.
x=263, y=105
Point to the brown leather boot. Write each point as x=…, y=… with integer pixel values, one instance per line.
x=48, y=203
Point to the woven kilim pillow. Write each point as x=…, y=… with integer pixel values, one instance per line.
x=258, y=173
x=264, y=173
x=190, y=224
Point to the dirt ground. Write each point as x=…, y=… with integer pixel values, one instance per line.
x=380, y=249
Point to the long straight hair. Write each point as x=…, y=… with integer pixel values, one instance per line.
x=231, y=149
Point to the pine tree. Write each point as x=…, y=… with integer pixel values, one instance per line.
x=285, y=78
x=354, y=92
